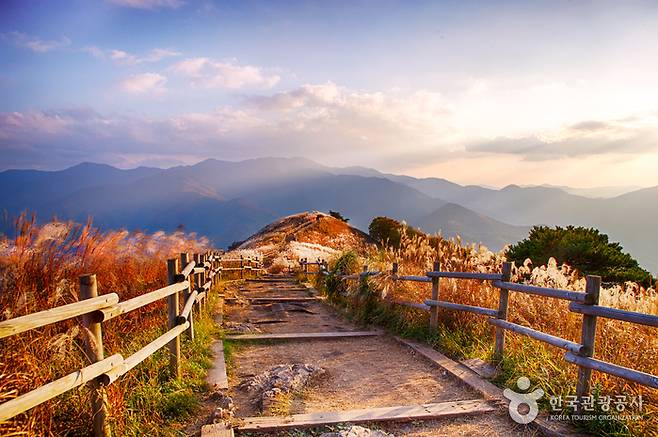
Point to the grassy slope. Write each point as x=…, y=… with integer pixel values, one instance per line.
x=464, y=337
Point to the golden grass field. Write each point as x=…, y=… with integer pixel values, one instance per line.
x=466, y=335
x=39, y=269
x=40, y=265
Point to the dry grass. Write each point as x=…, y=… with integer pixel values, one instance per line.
x=39, y=269
x=469, y=336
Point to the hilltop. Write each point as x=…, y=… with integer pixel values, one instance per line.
x=310, y=234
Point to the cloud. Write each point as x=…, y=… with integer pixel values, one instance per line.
x=34, y=43
x=149, y=4
x=159, y=54
x=125, y=58
x=630, y=136
x=326, y=122
x=122, y=57
x=59, y=138
x=590, y=125
x=208, y=73
x=329, y=103
x=151, y=83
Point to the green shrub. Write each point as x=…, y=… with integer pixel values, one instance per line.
x=346, y=263
x=388, y=232
x=585, y=249
x=339, y=216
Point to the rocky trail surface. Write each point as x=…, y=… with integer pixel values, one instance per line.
x=296, y=367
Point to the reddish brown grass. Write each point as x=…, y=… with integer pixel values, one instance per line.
x=39, y=269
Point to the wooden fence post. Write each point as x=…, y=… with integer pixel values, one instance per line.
x=503, y=298
x=216, y=267
x=211, y=260
x=204, y=279
x=173, y=309
x=219, y=267
x=434, y=311
x=215, y=278
x=394, y=274
x=184, y=261
x=257, y=267
x=592, y=288
x=197, y=279
x=94, y=351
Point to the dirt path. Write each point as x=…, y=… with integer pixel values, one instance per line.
x=358, y=373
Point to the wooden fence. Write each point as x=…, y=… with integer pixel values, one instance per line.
x=584, y=302
x=194, y=281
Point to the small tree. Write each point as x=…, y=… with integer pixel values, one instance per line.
x=339, y=216
x=235, y=245
x=586, y=249
x=387, y=231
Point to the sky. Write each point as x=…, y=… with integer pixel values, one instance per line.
x=477, y=92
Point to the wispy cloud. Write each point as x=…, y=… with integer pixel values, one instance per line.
x=630, y=136
x=145, y=83
x=34, y=43
x=590, y=126
x=125, y=58
x=326, y=122
x=208, y=73
x=149, y=4
x=335, y=121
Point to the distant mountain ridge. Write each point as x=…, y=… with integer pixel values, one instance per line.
x=228, y=201
x=595, y=192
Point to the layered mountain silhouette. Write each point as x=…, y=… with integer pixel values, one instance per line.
x=228, y=201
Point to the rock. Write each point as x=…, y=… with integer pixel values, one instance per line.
x=271, y=399
x=280, y=380
x=357, y=431
x=224, y=407
x=241, y=328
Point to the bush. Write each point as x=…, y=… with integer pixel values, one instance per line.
x=388, y=232
x=235, y=245
x=585, y=249
x=346, y=263
x=339, y=216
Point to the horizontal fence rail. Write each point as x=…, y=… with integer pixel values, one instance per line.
x=459, y=307
x=614, y=313
x=413, y=278
x=418, y=306
x=613, y=369
x=466, y=275
x=195, y=281
x=105, y=314
x=42, y=318
x=538, y=335
x=129, y=363
x=582, y=302
x=53, y=389
x=541, y=291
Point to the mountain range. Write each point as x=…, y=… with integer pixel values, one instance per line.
x=228, y=201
